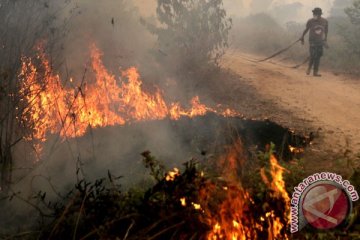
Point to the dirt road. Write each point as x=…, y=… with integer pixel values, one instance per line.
x=329, y=105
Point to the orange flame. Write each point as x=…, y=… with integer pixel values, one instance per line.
x=295, y=149
x=171, y=175
x=50, y=108
x=234, y=219
x=183, y=201
x=277, y=185
x=231, y=222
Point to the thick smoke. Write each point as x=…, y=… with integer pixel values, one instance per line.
x=282, y=10
x=116, y=29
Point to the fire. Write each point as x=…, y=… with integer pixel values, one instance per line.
x=277, y=185
x=235, y=218
x=171, y=175
x=183, y=201
x=52, y=108
x=232, y=221
x=196, y=206
x=295, y=149
x=233, y=160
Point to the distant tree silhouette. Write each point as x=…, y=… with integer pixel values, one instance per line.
x=353, y=12
x=339, y=7
x=194, y=32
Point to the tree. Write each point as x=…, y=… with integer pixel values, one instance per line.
x=353, y=12
x=192, y=33
x=23, y=24
x=338, y=8
x=352, y=33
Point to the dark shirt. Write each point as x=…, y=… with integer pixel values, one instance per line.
x=318, y=30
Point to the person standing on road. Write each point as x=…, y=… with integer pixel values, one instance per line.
x=318, y=27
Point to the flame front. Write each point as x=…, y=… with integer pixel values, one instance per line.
x=51, y=108
x=235, y=218
x=232, y=221
x=277, y=185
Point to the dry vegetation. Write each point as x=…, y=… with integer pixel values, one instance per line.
x=200, y=201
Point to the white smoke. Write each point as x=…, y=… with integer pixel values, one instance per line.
x=282, y=10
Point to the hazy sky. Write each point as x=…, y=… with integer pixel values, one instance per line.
x=287, y=10
x=294, y=10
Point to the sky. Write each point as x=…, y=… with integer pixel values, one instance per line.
x=284, y=10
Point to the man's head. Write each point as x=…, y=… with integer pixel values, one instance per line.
x=317, y=12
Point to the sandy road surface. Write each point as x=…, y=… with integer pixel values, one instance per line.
x=330, y=104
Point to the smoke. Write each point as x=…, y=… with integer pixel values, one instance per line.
x=282, y=10
x=114, y=26
x=116, y=29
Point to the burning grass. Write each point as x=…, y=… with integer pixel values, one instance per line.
x=202, y=200
x=50, y=107
x=181, y=204
x=226, y=197
x=196, y=203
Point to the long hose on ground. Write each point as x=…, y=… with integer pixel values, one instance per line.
x=278, y=53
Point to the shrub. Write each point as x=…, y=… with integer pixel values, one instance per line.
x=192, y=33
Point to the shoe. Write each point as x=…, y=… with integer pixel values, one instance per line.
x=308, y=71
x=317, y=75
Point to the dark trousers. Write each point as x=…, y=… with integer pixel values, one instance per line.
x=316, y=52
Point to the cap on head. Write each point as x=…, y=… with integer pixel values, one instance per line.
x=317, y=11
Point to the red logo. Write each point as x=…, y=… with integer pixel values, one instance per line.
x=325, y=206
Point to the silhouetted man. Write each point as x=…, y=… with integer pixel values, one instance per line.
x=318, y=28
